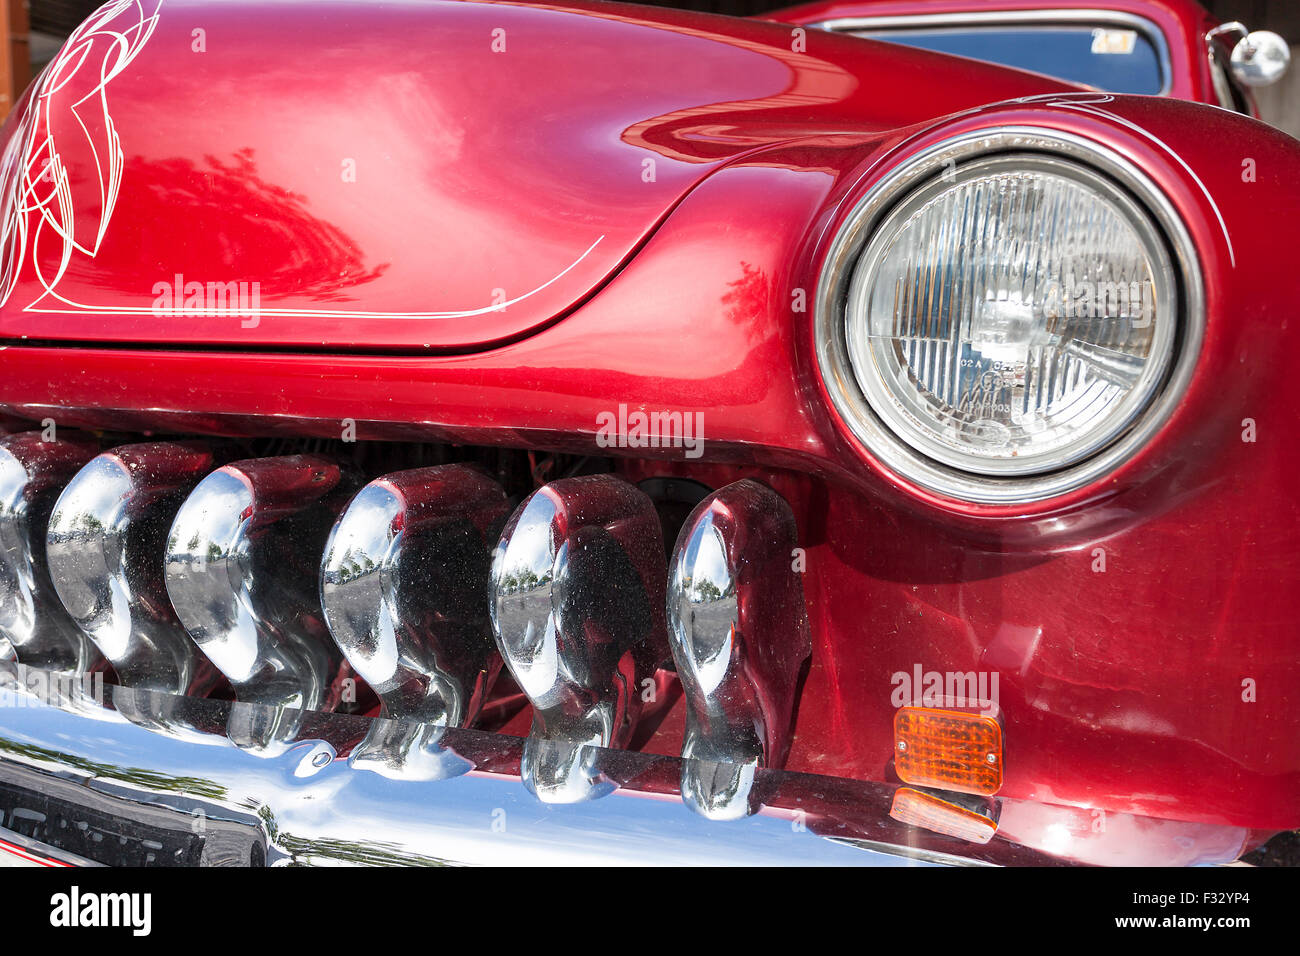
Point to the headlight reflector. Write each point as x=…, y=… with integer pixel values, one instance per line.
x=1012, y=316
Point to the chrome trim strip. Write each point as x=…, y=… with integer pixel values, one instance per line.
x=832, y=354
x=1081, y=15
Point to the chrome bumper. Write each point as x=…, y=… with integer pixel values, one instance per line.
x=152, y=778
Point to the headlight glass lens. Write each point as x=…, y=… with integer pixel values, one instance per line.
x=1012, y=316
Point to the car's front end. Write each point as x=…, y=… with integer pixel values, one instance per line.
x=882, y=454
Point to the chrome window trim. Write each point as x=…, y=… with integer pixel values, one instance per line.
x=1081, y=15
x=893, y=452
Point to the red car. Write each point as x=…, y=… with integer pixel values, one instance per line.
x=471, y=431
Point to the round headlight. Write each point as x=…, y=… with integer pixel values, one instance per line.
x=1002, y=319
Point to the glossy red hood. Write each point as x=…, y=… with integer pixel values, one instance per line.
x=400, y=175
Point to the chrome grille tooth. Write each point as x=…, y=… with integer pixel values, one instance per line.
x=738, y=628
x=241, y=572
x=402, y=585
x=35, y=630
x=577, y=613
x=105, y=535
x=402, y=750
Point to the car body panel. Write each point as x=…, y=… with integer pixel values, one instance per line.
x=419, y=203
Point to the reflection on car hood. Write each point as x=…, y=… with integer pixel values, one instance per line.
x=432, y=175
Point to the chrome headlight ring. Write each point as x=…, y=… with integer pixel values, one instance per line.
x=972, y=481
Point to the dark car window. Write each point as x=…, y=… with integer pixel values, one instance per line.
x=1108, y=58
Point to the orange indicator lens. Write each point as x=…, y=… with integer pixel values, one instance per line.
x=929, y=812
x=948, y=750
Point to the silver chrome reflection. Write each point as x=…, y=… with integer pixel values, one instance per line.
x=166, y=715
x=1258, y=58
x=1261, y=58
x=265, y=730
x=104, y=542
x=403, y=586
x=311, y=804
x=241, y=573
x=328, y=795
x=738, y=628
x=34, y=628
x=720, y=789
x=402, y=750
x=577, y=612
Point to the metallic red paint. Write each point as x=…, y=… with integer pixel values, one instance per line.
x=418, y=202
x=1121, y=690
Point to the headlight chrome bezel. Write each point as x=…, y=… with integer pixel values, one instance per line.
x=862, y=226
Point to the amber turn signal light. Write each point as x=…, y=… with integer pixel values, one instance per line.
x=948, y=750
x=930, y=812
